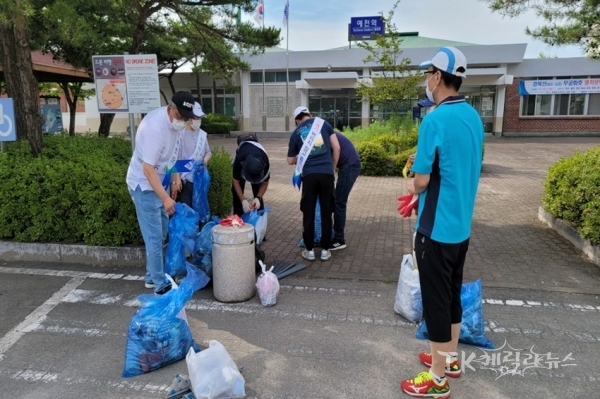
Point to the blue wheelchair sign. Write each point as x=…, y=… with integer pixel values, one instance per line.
x=8, y=130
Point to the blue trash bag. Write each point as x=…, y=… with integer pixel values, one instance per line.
x=202, y=254
x=472, y=329
x=158, y=333
x=175, y=257
x=255, y=218
x=318, y=222
x=200, y=194
x=318, y=231
x=204, y=263
x=251, y=217
x=183, y=226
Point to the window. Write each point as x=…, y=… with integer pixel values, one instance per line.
x=225, y=101
x=275, y=77
x=255, y=77
x=528, y=105
x=561, y=104
x=594, y=104
x=576, y=105
x=569, y=104
x=537, y=105
x=543, y=105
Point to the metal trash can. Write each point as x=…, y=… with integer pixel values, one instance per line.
x=233, y=263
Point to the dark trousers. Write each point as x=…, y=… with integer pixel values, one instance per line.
x=345, y=181
x=321, y=186
x=441, y=275
x=186, y=193
x=238, y=209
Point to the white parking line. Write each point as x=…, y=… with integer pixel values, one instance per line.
x=35, y=318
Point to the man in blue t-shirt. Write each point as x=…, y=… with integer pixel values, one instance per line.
x=317, y=178
x=348, y=170
x=447, y=167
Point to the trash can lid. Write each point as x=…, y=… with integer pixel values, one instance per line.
x=228, y=235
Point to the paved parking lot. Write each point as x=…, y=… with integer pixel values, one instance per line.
x=509, y=247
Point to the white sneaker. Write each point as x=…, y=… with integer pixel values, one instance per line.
x=325, y=255
x=308, y=255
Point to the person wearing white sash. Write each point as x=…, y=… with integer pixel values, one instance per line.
x=194, y=145
x=157, y=147
x=314, y=149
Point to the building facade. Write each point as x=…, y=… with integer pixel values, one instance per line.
x=327, y=81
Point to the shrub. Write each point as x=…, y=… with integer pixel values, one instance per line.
x=383, y=146
x=399, y=160
x=74, y=191
x=373, y=158
x=396, y=143
x=572, y=192
x=218, y=124
x=220, y=198
x=394, y=126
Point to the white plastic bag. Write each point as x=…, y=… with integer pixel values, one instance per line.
x=261, y=227
x=408, y=295
x=267, y=285
x=214, y=374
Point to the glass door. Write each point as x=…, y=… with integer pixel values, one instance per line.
x=328, y=110
x=341, y=113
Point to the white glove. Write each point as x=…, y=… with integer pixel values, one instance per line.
x=246, y=206
x=255, y=204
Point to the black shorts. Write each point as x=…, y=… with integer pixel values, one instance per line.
x=441, y=274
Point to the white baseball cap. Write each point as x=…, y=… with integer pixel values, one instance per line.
x=450, y=60
x=300, y=110
x=198, y=113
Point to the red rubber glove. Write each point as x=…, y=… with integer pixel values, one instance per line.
x=233, y=220
x=408, y=203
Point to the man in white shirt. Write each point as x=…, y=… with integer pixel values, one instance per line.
x=157, y=147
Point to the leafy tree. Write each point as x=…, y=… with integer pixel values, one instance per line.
x=395, y=83
x=568, y=21
x=21, y=85
x=85, y=27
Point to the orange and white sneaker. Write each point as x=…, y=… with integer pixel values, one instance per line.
x=423, y=386
x=452, y=369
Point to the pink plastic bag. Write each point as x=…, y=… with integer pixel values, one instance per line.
x=267, y=286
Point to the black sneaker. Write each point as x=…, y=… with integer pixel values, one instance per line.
x=164, y=289
x=338, y=243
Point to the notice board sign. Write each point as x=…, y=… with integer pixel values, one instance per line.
x=126, y=83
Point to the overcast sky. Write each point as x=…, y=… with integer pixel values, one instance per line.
x=323, y=24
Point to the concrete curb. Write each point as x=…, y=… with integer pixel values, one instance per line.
x=550, y=134
x=567, y=231
x=72, y=253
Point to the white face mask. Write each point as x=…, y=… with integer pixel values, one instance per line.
x=177, y=124
x=196, y=123
x=429, y=93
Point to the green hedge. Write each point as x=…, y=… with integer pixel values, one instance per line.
x=220, y=198
x=384, y=147
x=385, y=155
x=75, y=191
x=572, y=192
x=218, y=124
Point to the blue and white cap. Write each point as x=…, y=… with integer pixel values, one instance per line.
x=198, y=113
x=450, y=60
